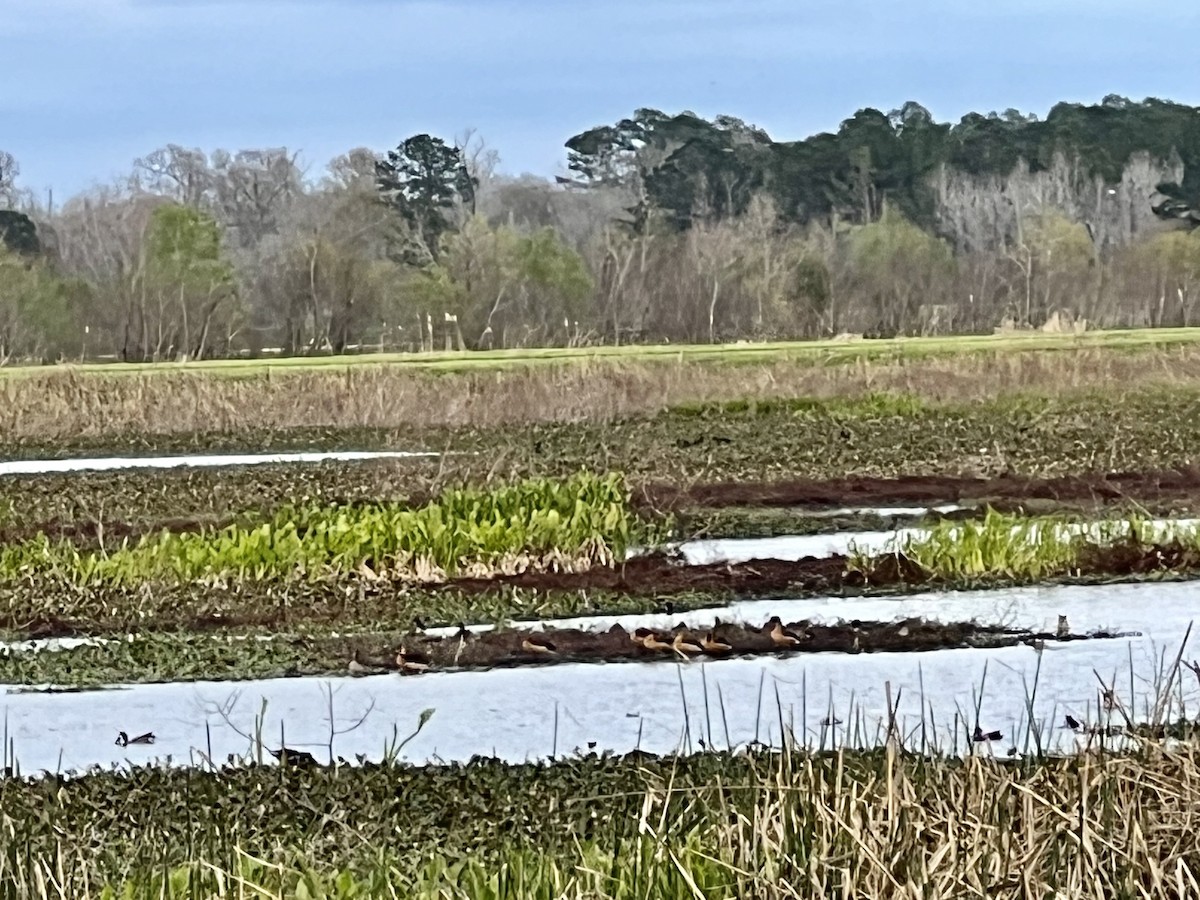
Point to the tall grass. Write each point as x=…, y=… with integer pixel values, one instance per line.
x=67, y=405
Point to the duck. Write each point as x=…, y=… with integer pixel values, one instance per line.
x=539, y=644
x=359, y=665
x=289, y=757
x=1072, y=723
x=684, y=646
x=410, y=663
x=783, y=637
x=712, y=645
x=651, y=641
x=1064, y=630
x=124, y=740
x=980, y=735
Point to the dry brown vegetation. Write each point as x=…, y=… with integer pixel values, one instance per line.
x=63, y=405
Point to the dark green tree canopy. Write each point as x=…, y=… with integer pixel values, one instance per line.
x=686, y=168
x=18, y=232
x=683, y=166
x=424, y=178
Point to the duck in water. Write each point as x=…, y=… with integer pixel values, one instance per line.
x=124, y=740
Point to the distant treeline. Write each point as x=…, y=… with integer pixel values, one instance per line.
x=668, y=228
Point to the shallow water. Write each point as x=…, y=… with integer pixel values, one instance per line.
x=795, y=547
x=45, y=466
x=1141, y=606
x=883, y=512
x=511, y=712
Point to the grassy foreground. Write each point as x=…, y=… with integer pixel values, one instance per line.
x=871, y=825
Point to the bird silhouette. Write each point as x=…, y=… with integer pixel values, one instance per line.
x=124, y=740
x=980, y=735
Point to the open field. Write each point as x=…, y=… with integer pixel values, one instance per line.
x=53, y=409
x=551, y=571
x=825, y=351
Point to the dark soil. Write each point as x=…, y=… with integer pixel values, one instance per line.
x=648, y=583
x=659, y=574
x=1006, y=490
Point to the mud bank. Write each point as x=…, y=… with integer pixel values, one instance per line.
x=659, y=574
x=470, y=650
x=1158, y=487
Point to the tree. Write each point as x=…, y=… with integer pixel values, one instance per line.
x=899, y=267
x=325, y=280
x=181, y=174
x=1053, y=255
x=252, y=191
x=424, y=179
x=193, y=285
x=35, y=309
x=18, y=233
x=510, y=288
x=9, y=170
x=1174, y=262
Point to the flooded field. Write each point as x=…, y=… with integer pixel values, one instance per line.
x=535, y=713
x=207, y=460
x=465, y=651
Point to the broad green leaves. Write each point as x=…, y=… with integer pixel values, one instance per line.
x=585, y=520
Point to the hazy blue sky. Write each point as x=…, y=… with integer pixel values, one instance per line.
x=91, y=84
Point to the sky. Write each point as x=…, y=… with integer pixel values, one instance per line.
x=90, y=85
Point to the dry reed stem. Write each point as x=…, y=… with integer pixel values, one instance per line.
x=64, y=404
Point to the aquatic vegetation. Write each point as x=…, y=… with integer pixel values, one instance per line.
x=1002, y=547
x=760, y=824
x=581, y=521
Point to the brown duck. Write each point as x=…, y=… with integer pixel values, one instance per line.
x=539, y=644
x=651, y=641
x=784, y=637
x=712, y=645
x=684, y=645
x=360, y=665
x=410, y=662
